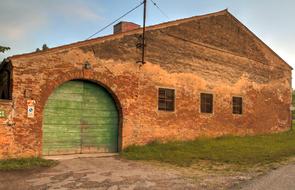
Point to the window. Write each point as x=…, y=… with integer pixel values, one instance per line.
x=206, y=103
x=237, y=105
x=166, y=99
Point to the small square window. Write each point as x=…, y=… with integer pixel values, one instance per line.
x=206, y=103
x=237, y=105
x=166, y=99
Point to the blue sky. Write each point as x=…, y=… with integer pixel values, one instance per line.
x=27, y=24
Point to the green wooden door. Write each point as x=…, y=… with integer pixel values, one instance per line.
x=80, y=117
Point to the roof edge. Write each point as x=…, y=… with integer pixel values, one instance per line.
x=119, y=35
x=148, y=28
x=260, y=40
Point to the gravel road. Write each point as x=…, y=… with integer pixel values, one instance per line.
x=280, y=179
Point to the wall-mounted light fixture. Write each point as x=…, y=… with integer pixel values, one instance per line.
x=28, y=93
x=87, y=65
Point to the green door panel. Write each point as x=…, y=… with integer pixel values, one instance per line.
x=80, y=117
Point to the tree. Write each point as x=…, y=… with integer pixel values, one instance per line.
x=44, y=47
x=3, y=49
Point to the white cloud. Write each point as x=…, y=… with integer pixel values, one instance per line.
x=26, y=25
x=288, y=57
x=78, y=11
x=21, y=29
x=19, y=19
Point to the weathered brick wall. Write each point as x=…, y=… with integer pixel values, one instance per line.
x=7, y=145
x=209, y=54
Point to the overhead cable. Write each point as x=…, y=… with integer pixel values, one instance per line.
x=156, y=5
x=102, y=29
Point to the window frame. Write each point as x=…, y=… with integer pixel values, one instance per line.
x=200, y=106
x=240, y=105
x=158, y=99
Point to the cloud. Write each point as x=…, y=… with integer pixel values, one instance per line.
x=17, y=20
x=86, y=13
x=288, y=56
x=19, y=30
x=20, y=19
x=79, y=11
x=26, y=25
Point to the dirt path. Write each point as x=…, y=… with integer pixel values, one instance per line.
x=111, y=173
x=96, y=173
x=280, y=179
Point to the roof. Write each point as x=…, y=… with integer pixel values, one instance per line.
x=139, y=30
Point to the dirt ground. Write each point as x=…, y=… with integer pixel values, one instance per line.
x=280, y=179
x=113, y=173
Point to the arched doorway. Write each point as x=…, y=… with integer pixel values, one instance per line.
x=80, y=117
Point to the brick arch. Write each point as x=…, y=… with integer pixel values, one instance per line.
x=56, y=81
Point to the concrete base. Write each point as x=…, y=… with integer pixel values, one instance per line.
x=73, y=156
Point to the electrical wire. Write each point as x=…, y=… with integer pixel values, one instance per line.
x=102, y=29
x=156, y=5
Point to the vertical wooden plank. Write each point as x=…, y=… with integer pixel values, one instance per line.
x=99, y=120
x=80, y=117
x=61, y=123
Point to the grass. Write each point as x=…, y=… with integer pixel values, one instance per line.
x=25, y=163
x=250, y=150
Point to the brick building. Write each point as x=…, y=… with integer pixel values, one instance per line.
x=204, y=76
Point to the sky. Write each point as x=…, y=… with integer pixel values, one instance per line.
x=28, y=24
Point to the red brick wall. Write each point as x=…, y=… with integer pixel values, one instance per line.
x=179, y=60
x=7, y=145
x=125, y=26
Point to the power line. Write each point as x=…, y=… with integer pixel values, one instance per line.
x=102, y=29
x=156, y=5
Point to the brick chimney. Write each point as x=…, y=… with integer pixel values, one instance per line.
x=124, y=27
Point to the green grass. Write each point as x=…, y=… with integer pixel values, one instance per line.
x=25, y=163
x=251, y=150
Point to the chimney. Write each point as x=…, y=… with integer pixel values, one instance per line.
x=124, y=27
